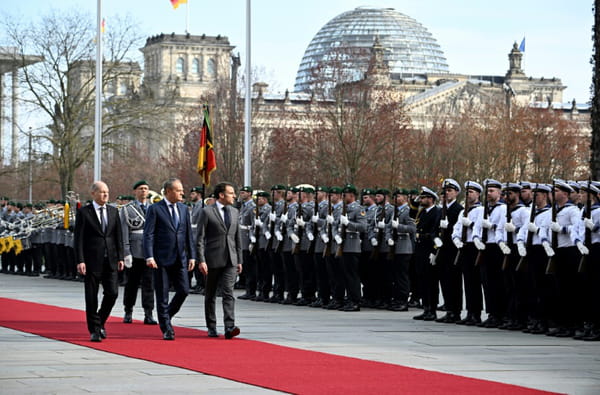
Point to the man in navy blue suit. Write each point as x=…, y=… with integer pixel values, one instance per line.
x=169, y=249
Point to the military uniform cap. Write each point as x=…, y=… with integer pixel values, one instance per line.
x=383, y=191
x=20, y=205
x=401, y=191
x=322, y=188
x=262, y=194
x=120, y=197
x=451, y=183
x=563, y=186
x=428, y=192
x=140, y=183
x=29, y=205
x=294, y=189
x=491, y=183
x=512, y=186
x=11, y=203
x=51, y=201
x=525, y=184
x=413, y=192
x=474, y=185
x=337, y=190
x=366, y=191
x=350, y=188
x=583, y=185
x=307, y=189
x=197, y=189
x=278, y=187
x=541, y=188
x=246, y=188
x=574, y=185
x=596, y=184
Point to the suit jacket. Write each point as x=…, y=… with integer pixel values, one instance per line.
x=167, y=245
x=91, y=244
x=217, y=245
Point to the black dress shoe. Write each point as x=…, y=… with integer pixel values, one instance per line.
x=398, y=307
x=594, y=336
x=169, y=335
x=149, y=320
x=232, y=332
x=127, y=319
x=351, y=307
x=316, y=303
x=491, y=322
x=245, y=296
x=565, y=332
x=103, y=333
x=95, y=337
x=431, y=316
x=420, y=317
x=212, y=332
x=551, y=331
x=414, y=303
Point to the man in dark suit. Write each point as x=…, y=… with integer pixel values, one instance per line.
x=99, y=255
x=220, y=257
x=168, y=248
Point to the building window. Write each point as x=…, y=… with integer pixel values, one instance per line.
x=196, y=66
x=211, y=67
x=122, y=88
x=179, y=65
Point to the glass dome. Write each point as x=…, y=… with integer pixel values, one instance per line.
x=409, y=47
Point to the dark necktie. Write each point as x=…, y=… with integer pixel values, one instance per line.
x=143, y=208
x=226, y=216
x=102, y=221
x=175, y=217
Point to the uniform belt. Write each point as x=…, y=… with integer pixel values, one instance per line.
x=138, y=231
x=245, y=227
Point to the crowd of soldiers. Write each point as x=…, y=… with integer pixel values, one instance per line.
x=524, y=251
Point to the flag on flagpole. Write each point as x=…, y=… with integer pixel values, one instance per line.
x=177, y=3
x=103, y=25
x=207, y=163
x=522, y=46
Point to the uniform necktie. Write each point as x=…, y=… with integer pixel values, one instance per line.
x=143, y=208
x=102, y=221
x=226, y=216
x=175, y=217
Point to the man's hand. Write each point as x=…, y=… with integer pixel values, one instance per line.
x=203, y=268
x=444, y=224
x=120, y=266
x=191, y=264
x=509, y=227
x=81, y=268
x=258, y=223
x=465, y=221
x=344, y=220
x=239, y=269
x=151, y=263
x=128, y=261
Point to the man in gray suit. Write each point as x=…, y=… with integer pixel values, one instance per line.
x=220, y=256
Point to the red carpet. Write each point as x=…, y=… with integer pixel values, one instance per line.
x=252, y=362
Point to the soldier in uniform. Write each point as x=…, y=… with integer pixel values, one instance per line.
x=286, y=225
x=347, y=230
x=302, y=236
x=526, y=193
x=400, y=237
x=366, y=266
x=450, y=274
x=427, y=224
x=265, y=274
x=334, y=264
x=462, y=237
x=319, y=230
x=197, y=204
x=246, y=220
x=379, y=258
x=133, y=218
x=274, y=245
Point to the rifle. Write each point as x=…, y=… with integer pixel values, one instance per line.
x=380, y=217
x=509, y=238
x=313, y=243
x=442, y=233
x=254, y=246
x=392, y=250
x=523, y=261
x=327, y=249
x=300, y=230
x=551, y=266
x=283, y=229
x=463, y=235
x=484, y=231
x=272, y=223
x=340, y=249
x=588, y=233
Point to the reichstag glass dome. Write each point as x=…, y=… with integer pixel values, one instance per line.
x=409, y=47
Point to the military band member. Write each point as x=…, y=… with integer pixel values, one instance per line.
x=246, y=221
x=462, y=237
x=133, y=218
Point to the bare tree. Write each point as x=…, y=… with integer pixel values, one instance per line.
x=595, y=110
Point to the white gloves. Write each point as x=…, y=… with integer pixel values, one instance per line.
x=325, y=238
x=300, y=222
x=548, y=248
x=533, y=228
x=258, y=223
x=374, y=242
x=486, y=224
x=444, y=224
x=465, y=221
x=438, y=242
x=268, y=235
x=458, y=243
x=521, y=248
x=329, y=219
x=505, y=249
x=314, y=219
x=390, y=242
x=395, y=223
x=338, y=239
x=509, y=227
x=344, y=220
x=252, y=239
x=589, y=223
x=381, y=224
x=128, y=261
x=582, y=248
x=478, y=244
x=432, y=259
x=555, y=227
x=278, y=235
x=294, y=237
x=310, y=236
x=284, y=217
x=272, y=217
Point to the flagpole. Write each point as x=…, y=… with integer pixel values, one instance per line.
x=98, y=113
x=248, y=102
x=187, y=16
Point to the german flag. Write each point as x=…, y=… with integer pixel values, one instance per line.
x=207, y=163
x=176, y=3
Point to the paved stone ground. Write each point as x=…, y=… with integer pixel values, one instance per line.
x=31, y=364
